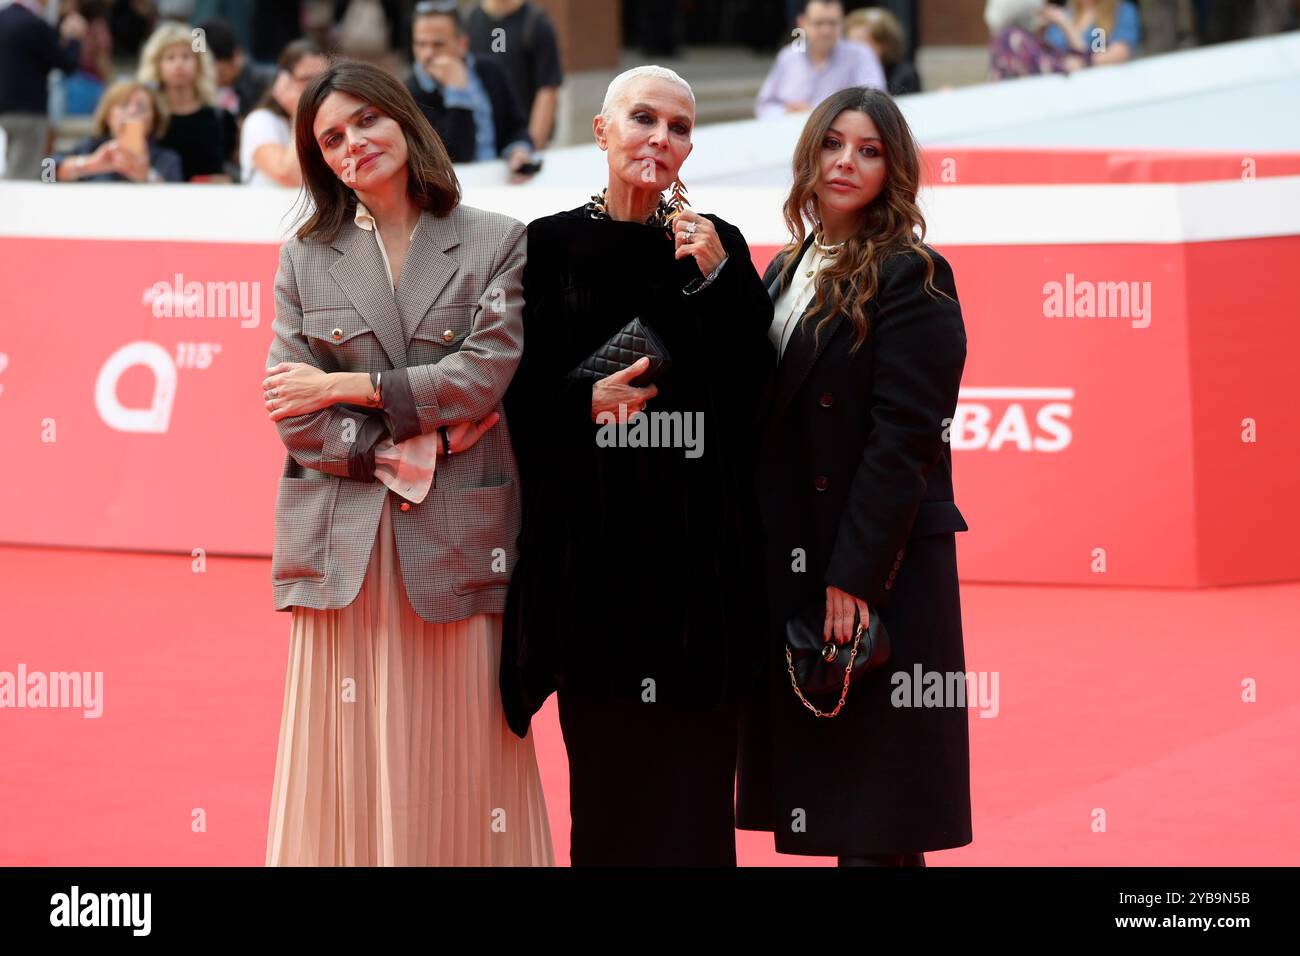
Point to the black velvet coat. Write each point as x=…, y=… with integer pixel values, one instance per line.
x=640, y=569
x=856, y=472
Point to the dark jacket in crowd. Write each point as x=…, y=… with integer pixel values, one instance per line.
x=29, y=49
x=526, y=47
x=456, y=124
x=253, y=80
x=204, y=140
x=901, y=78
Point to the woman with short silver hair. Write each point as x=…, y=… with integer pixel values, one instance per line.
x=638, y=590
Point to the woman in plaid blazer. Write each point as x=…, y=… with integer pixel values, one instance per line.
x=397, y=330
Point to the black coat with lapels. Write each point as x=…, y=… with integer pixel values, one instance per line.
x=855, y=487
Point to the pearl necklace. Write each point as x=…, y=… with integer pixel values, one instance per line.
x=825, y=250
x=832, y=248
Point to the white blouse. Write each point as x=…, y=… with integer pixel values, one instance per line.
x=260, y=128
x=792, y=302
x=406, y=467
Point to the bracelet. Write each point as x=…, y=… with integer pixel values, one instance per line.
x=703, y=282
x=376, y=398
x=446, y=442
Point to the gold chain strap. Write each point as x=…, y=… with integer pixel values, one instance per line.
x=848, y=673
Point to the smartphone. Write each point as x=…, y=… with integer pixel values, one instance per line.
x=132, y=137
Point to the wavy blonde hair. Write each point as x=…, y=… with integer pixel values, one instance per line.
x=891, y=223
x=171, y=34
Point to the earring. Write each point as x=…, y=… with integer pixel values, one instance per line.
x=677, y=202
x=678, y=199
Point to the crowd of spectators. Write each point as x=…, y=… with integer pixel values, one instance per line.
x=206, y=90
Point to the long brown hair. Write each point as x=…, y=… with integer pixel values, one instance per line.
x=431, y=182
x=891, y=223
x=290, y=57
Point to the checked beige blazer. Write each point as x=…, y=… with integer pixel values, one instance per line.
x=448, y=344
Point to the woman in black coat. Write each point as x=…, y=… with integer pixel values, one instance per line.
x=638, y=589
x=855, y=485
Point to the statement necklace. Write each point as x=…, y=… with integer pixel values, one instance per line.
x=662, y=217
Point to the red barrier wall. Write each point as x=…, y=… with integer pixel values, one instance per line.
x=127, y=428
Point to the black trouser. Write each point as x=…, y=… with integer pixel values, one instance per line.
x=649, y=784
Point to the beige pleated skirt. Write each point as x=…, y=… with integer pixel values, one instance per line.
x=394, y=750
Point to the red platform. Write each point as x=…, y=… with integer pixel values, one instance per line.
x=1122, y=699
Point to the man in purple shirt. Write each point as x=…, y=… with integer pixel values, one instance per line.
x=818, y=63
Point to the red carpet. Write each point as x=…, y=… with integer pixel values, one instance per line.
x=1116, y=700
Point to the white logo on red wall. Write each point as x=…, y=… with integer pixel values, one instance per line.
x=1023, y=419
x=154, y=417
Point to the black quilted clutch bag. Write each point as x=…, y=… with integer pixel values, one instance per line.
x=626, y=346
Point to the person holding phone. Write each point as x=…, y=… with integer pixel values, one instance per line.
x=125, y=145
x=855, y=485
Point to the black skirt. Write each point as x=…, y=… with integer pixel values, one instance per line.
x=650, y=784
